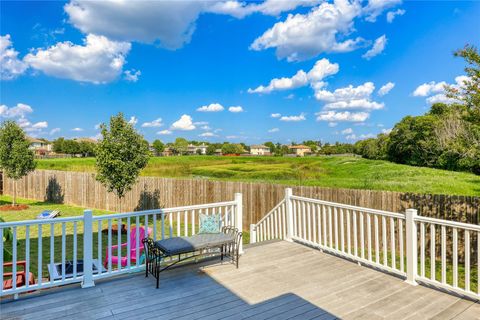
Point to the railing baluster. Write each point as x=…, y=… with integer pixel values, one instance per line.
x=75, y=249
x=377, y=240
x=349, y=251
x=335, y=219
x=324, y=225
x=154, y=217
x=304, y=221
x=314, y=222
x=163, y=224
x=355, y=235
x=400, y=240
x=362, y=236
x=284, y=220
x=319, y=223
x=27, y=254
x=455, y=257
x=179, y=224
x=63, y=250
x=137, y=243
x=309, y=222
x=39, y=258
x=185, y=223
x=432, y=251
x=369, y=237
x=422, y=249
x=342, y=232
x=52, y=233
x=330, y=226
x=393, y=247
x=14, y=258
x=467, y=260
x=444, y=255
x=129, y=244
x=119, y=244
x=109, y=243
x=384, y=240
x=275, y=219
x=170, y=227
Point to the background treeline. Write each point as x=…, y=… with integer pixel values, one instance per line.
x=74, y=147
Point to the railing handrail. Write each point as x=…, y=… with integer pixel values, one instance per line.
x=448, y=223
x=350, y=207
x=271, y=211
x=40, y=221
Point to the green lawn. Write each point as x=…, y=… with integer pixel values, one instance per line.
x=335, y=172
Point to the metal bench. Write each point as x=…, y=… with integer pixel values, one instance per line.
x=228, y=241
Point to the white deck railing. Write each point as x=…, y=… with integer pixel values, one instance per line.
x=90, y=238
x=394, y=242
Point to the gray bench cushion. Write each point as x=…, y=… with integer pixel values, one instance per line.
x=177, y=245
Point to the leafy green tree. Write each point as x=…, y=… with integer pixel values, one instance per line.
x=158, y=146
x=180, y=146
x=58, y=145
x=120, y=156
x=86, y=148
x=271, y=146
x=211, y=149
x=230, y=148
x=16, y=159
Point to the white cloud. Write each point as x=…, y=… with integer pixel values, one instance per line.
x=36, y=127
x=19, y=111
x=77, y=129
x=54, y=130
x=10, y=66
x=377, y=48
x=213, y=107
x=185, y=123
x=132, y=75
x=385, y=89
x=303, y=36
x=332, y=124
x=363, y=104
x=268, y=7
x=207, y=134
x=275, y=115
x=347, y=131
x=392, y=14
x=319, y=71
x=133, y=120
x=235, y=109
x=375, y=8
x=273, y=130
x=435, y=91
x=205, y=127
x=98, y=60
x=349, y=98
x=360, y=137
x=164, y=132
x=387, y=131
x=342, y=116
x=153, y=124
x=300, y=117
x=426, y=89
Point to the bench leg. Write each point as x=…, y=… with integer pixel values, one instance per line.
x=221, y=252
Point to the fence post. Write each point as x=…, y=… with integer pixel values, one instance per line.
x=411, y=235
x=288, y=202
x=88, y=249
x=253, y=233
x=239, y=217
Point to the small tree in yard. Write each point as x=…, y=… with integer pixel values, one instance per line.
x=16, y=159
x=120, y=156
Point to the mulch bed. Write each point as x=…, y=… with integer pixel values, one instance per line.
x=9, y=207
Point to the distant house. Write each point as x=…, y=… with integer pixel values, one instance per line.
x=193, y=149
x=218, y=152
x=39, y=146
x=167, y=152
x=300, y=150
x=260, y=150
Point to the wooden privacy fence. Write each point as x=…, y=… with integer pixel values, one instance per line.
x=81, y=188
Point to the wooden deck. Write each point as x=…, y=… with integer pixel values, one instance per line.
x=279, y=280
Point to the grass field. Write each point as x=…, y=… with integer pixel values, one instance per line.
x=335, y=172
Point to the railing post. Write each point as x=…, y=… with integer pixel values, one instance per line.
x=288, y=202
x=239, y=217
x=253, y=233
x=411, y=237
x=88, y=249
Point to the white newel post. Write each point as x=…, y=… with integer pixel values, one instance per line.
x=411, y=235
x=288, y=202
x=239, y=217
x=253, y=234
x=88, y=249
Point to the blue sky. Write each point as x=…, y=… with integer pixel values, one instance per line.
x=67, y=66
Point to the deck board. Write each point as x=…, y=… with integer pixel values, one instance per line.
x=278, y=280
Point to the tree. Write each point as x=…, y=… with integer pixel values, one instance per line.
x=58, y=145
x=230, y=148
x=120, y=156
x=158, y=146
x=16, y=159
x=211, y=149
x=271, y=146
x=180, y=146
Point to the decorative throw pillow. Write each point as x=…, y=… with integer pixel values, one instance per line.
x=209, y=224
